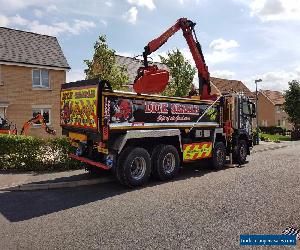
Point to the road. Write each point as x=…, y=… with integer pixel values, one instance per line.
x=201, y=209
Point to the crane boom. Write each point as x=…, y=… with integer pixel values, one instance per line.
x=150, y=79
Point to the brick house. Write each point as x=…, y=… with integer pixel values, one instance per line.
x=32, y=69
x=270, y=108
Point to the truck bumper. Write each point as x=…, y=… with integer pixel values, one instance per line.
x=90, y=162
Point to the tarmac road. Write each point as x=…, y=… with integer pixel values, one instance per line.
x=202, y=209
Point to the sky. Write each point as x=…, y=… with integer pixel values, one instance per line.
x=241, y=39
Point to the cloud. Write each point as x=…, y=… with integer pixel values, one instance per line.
x=131, y=15
x=15, y=5
x=109, y=3
x=226, y=74
x=143, y=3
x=189, y=1
x=75, y=75
x=275, y=80
x=221, y=51
x=58, y=28
x=221, y=44
x=38, y=13
x=275, y=10
x=54, y=29
x=51, y=8
x=4, y=21
x=18, y=20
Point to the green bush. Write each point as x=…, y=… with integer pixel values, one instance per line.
x=28, y=153
x=273, y=130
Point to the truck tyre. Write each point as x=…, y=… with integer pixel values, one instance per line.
x=165, y=162
x=133, y=167
x=240, y=153
x=218, y=159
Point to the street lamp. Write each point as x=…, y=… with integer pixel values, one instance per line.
x=256, y=104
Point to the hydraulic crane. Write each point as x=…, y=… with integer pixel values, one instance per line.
x=152, y=80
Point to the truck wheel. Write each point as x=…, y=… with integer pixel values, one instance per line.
x=165, y=162
x=218, y=159
x=240, y=154
x=133, y=167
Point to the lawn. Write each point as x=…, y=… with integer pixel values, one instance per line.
x=276, y=137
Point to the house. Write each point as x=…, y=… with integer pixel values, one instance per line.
x=223, y=86
x=32, y=69
x=270, y=109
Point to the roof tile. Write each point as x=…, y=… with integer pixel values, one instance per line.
x=275, y=96
x=19, y=46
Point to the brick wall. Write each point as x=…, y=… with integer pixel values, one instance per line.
x=22, y=97
x=267, y=112
x=281, y=115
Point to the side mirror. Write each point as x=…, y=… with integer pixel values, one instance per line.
x=253, y=109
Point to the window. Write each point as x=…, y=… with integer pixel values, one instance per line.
x=246, y=108
x=278, y=123
x=46, y=112
x=278, y=109
x=40, y=78
x=2, y=113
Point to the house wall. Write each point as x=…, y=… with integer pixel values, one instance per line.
x=281, y=115
x=266, y=111
x=17, y=90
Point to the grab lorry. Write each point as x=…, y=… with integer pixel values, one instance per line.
x=136, y=135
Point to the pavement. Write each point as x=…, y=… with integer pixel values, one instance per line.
x=200, y=209
x=11, y=181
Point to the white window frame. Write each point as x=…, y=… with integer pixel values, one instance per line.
x=278, y=109
x=42, y=112
x=41, y=86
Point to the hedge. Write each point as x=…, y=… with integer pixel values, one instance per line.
x=273, y=130
x=28, y=153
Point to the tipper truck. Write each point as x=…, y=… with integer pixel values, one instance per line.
x=136, y=135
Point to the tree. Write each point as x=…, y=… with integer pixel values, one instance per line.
x=292, y=103
x=182, y=73
x=104, y=65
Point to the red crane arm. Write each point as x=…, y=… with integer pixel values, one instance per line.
x=156, y=43
x=189, y=34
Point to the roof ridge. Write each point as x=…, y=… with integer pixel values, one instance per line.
x=25, y=31
x=226, y=79
x=271, y=90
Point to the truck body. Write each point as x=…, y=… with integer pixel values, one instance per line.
x=136, y=135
